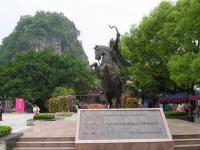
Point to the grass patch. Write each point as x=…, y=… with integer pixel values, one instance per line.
x=175, y=113
x=4, y=130
x=44, y=116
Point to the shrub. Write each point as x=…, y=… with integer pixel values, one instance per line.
x=53, y=105
x=44, y=116
x=130, y=103
x=74, y=103
x=4, y=130
x=60, y=104
x=84, y=106
x=62, y=91
x=70, y=100
x=175, y=113
x=57, y=104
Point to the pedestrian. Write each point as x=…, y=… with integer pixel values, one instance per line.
x=36, y=110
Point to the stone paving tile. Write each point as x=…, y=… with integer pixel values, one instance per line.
x=59, y=128
x=180, y=127
x=73, y=117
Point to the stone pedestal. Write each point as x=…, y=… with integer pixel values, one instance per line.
x=123, y=129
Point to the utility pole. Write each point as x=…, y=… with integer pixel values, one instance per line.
x=1, y=110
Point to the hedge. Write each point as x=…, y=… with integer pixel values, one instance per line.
x=4, y=130
x=60, y=104
x=44, y=116
x=175, y=113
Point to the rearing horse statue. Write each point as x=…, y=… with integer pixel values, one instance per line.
x=109, y=70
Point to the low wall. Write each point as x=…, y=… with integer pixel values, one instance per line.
x=8, y=142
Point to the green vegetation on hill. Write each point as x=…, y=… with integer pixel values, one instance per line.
x=44, y=30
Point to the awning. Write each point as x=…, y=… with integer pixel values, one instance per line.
x=176, y=97
x=195, y=97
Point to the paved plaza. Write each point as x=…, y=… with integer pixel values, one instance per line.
x=181, y=127
x=67, y=126
x=17, y=121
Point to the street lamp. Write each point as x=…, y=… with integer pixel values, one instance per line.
x=1, y=110
x=196, y=89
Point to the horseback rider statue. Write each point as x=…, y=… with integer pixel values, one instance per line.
x=109, y=70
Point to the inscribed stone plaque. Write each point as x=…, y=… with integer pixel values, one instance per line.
x=122, y=124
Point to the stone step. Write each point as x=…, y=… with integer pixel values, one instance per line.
x=187, y=147
x=45, y=144
x=185, y=136
x=49, y=139
x=45, y=148
x=187, y=141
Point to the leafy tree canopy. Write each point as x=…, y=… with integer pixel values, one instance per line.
x=164, y=42
x=184, y=70
x=36, y=76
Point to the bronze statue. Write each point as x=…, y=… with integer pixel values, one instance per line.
x=109, y=70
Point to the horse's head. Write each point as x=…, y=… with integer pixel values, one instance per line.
x=100, y=51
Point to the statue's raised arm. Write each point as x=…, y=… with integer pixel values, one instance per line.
x=115, y=50
x=115, y=44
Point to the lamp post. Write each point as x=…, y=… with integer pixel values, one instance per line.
x=197, y=105
x=1, y=110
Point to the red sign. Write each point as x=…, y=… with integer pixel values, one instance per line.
x=19, y=105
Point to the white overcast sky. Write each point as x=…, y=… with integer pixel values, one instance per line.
x=91, y=17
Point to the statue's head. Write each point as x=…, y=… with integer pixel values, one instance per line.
x=112, y=42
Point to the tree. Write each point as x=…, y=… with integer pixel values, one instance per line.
x=170, y=33
x=182, y=32
x=35, y=76
x=142, y=47
x=181, y=71
x=184, y=70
